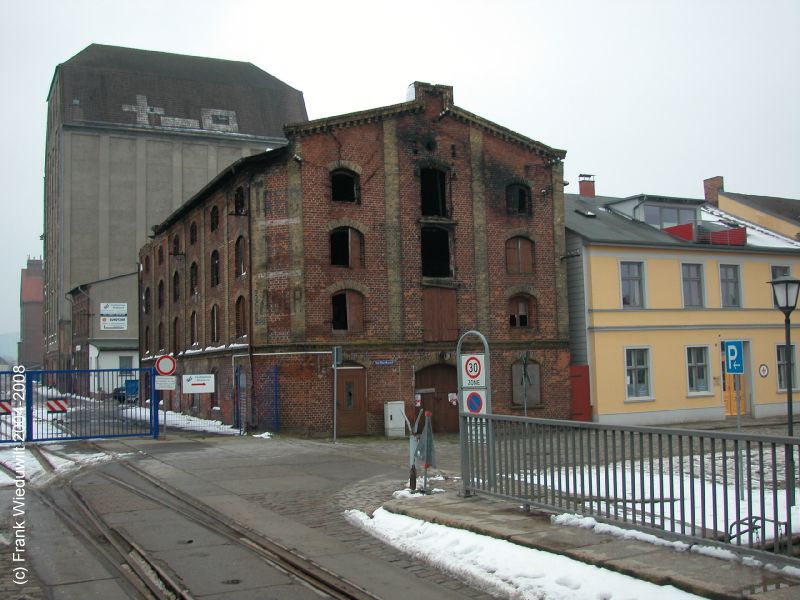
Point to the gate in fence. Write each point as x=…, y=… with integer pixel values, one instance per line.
x=70, y=405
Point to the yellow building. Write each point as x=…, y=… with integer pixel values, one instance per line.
x=651, y=310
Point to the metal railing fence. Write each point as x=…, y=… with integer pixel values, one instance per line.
x=725, y=488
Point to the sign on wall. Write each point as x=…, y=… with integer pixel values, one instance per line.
x=114, y=316
x=198, y=384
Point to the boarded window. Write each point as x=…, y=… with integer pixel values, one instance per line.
x=439, y=315
x=347, y=248
x=433, y=193
x=526, y=384
x=347, y=311
x=435, y=252
x=344, y=186
x=519, y=255
x=519, y=308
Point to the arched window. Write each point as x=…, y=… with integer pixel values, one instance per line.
x=347, y=248
x=147, y=306
x=238, y=202
x=214, y=323
x=239, y=257
x=241, y=317
x=193, y=328
x=176, y=245
x=176, y=287
x=193, y=233
x=213, y=218
x=176, y=335
x=160, y=336
x=521, y=310
x=193, y=289
x=344, y=186
x=160, y=294
x=161, y=255
x=433, y=192
x=347, y=311
x=518, y=199
x=519, y=255
x=214, y=268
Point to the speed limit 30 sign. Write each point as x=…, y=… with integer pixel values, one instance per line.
x=473, y=373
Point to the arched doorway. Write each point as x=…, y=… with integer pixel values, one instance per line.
x=351, y=400
x=434, y=383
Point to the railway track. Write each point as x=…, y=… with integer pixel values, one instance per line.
x=150, y=575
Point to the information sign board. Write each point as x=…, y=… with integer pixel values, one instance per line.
x=198, y=383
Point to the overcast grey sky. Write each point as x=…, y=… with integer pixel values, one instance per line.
x=650, y=96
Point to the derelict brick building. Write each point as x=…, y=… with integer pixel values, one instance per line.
x=388, y=232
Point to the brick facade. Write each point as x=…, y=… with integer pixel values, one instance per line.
x=494, y=184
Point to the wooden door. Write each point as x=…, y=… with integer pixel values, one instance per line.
x=434, y=384
x=729, y=394
x=581, y=406
x=351, y=402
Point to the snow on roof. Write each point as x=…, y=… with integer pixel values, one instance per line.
x=756, y=235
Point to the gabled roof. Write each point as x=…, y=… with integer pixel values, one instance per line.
x=173, y=90
x=418, y=105
x=783, y=208
x=262, y=158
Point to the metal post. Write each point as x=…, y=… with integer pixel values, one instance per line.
x=335, y=390
x=737, y=385
x=789, y=384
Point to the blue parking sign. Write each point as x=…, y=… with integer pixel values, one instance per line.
x=734, y=357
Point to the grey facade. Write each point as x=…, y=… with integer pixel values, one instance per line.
x=132, y=134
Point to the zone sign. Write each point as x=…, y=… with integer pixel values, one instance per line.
x=165, y=365
x=473, y=373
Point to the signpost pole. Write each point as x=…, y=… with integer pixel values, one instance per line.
x=737, y=385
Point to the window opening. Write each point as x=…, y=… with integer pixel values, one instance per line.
x=241, y=317
x=215, y=323
x=213, y=219
x=193, y=279
x=176, y=287
x=339, y=310
x=518, y=199
x=435, y=252
x=433, y=193
x=238, y=202
x=340, y=247
x=193, y=233
x=518, y=307
x=214, y=268
x=239, y=256
x=344, y=186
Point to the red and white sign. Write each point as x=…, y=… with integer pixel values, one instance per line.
x=198, y=384
x=57, y=405
x=474, y=402
x=5, y=407
x=473, y=374
x=165, y=365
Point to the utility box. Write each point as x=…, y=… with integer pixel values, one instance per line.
x=394, y=419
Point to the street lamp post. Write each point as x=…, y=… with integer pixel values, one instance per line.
x=785, y=291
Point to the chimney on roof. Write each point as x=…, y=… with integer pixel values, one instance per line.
x=586, y=185
x=712, y=187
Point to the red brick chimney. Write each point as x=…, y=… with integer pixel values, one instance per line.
x=586, y=185
x=712, y=187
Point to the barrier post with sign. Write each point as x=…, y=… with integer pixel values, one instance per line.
x=474, y=399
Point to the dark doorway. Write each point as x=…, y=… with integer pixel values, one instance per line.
x=434, y=383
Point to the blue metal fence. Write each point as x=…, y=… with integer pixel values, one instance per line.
x=63, y=405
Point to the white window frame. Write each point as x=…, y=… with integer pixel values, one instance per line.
x=708, y=391
x=772, y=276
x=740, y=288
x=778, y=369
x=702, y=285
x=643, y=285
x=649, y=397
